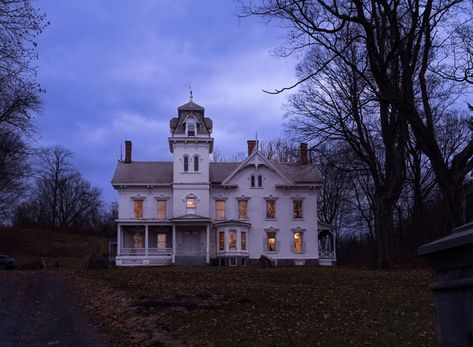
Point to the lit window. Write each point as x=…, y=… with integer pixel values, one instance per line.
x=161, y=241
x=242, y=209
x=270, y=209
x=138, y=209
x=138, y=240
x=297, y=209
x=260, y=181
x=196, y=163
x=243, y=240
x=297, y=242
x=271, y=241
x=220, y=209
x=221, y=241
x=186, y=163
x=232, y=240
x=190, y=205
x=161, y=209
x=252, y=179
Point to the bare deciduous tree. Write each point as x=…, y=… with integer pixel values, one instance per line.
x=409, y=48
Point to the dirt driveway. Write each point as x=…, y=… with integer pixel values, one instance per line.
x=39, y=309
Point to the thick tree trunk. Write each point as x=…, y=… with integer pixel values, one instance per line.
x=384, y=210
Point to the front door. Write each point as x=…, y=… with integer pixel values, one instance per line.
x=190, y=243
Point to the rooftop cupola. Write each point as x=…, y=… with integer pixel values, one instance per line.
x=191, y=125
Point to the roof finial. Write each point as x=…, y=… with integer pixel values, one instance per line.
x=191, y=98
x=257, y=143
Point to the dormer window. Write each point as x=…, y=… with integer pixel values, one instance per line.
x=191, y=127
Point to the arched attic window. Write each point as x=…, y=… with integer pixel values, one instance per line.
x=196, y=163
x=191, y=127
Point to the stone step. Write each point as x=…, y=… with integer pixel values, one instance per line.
x=190, y=261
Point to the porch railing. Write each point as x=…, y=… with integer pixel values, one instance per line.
x=190, y=251
x=146, y=251
x=326, y=254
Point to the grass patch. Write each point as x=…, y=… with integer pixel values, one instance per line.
x=285, y=306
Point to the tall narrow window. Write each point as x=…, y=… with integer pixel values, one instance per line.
x=243, y=240
x=260, y=181
x=252, y=181
x=271, y=209
x=221, y=240
x=242, y=209
x=196, y=163
x=232, y=240
x=297, y=209
x=271, y=241
x=220, y=209
x=161, y=209
x=298, y=242
x=186, y=163
x=190, y=205
x=138, y=209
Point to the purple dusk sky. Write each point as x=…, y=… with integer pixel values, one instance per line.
x=116, y=70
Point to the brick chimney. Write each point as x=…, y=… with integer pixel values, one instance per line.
x=304, y=152
x=127, y=151
x=251, y=146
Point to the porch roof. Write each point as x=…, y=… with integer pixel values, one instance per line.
x=191, y=218
x=232, y=222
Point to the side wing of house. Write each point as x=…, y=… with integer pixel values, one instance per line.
x=260, y=208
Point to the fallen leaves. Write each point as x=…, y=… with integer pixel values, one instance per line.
x=250, y=306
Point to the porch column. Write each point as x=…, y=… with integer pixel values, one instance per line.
x=207, y=244
x=173, y=243
x=146, y=239
x=119, y=239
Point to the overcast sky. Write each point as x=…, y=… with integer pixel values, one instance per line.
x=116, y=70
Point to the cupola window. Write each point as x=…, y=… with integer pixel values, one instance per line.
x=191, y=127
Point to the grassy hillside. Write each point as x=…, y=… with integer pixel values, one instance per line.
x=30, y=245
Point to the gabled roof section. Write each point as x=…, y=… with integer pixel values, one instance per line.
x=258, y=157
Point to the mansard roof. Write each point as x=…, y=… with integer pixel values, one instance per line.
x=191, y=109
x=159, y=172
x=191, y=106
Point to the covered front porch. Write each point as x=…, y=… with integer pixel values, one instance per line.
x=162, y=244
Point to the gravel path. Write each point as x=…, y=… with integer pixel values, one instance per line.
x=39, y=309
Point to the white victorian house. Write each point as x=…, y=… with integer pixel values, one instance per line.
x=194, y=212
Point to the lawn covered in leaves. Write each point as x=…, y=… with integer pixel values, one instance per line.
x=283, y=306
